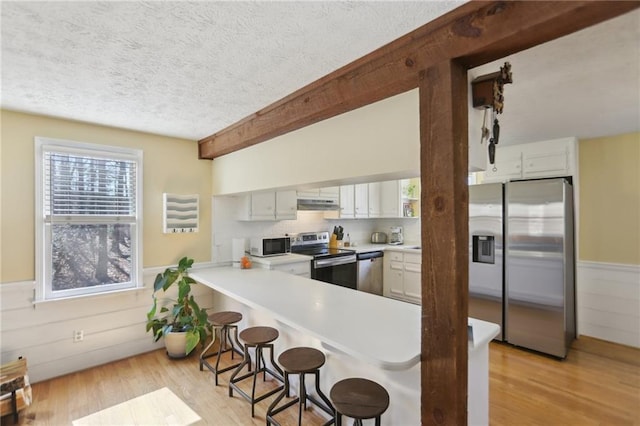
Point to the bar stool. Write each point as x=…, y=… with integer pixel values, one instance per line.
x=301, y=361
x=359, y=399
x=259, y=338
x=222, y=322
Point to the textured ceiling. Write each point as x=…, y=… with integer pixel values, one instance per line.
x=190, y=69
x=180, y=68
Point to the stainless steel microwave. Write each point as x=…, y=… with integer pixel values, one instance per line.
x=270, y=246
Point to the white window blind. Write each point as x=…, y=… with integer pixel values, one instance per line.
x=88, y=186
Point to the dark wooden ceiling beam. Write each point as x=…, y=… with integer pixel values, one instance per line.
x=473, y=34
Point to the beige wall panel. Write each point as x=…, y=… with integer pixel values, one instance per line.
x=381, y=139
x=610, y=199
x=170, y=165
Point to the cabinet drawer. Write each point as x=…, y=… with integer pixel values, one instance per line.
x=413, y=258
x=396, y=265
x=394, y=256
x=413, y=267
x=546, y=164
x=298, y=268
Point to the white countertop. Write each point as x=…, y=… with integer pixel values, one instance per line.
x=381, y=331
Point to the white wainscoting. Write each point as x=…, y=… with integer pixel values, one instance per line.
x=608, y=301
x=113, y=326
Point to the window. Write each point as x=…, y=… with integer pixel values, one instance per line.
x=88, y=219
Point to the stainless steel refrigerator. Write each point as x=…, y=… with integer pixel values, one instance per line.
x=521, y=262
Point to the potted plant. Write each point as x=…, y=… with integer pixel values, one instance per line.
x=185, y=324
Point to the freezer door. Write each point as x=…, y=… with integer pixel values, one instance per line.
x=539, y=265
x=486, y=253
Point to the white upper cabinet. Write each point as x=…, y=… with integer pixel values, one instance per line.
x=260, y=206
x=554, y=158
x=286, y=205
x=375, y=207
x=390, y=203
x=330, y=192
x=269, y=206
x=361, y=192
x=347, y=201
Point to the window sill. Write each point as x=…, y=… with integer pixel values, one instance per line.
x=91, y=295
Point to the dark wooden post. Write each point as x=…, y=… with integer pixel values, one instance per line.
x=443, y=170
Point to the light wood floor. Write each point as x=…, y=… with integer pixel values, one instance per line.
x=598, y=384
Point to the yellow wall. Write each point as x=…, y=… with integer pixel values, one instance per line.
x=170, y=165
x=378, y=140
x=610, y=199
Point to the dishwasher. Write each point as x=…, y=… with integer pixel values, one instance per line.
x=370, y=272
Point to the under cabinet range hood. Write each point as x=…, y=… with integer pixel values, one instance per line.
x=317, y=204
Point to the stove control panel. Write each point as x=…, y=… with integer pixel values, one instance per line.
x=308, y=238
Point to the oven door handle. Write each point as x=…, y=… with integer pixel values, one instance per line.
x=336, y=261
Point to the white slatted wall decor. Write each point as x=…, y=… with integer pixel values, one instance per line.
x=180, y=213
x=608, y=302
x=113, y=326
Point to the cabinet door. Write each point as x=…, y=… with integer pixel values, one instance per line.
x=390, y=198
x=286, y=205
x=375, y=209
x=347, y=201
x=395, y=278
x=263, y=206
x=412, y=282
x=545, y=164
x=390, y=277
x=332, y=192
x=508, y=165
x=308, y=194
x=362, y=200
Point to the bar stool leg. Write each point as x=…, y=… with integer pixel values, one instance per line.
x=338, y=418
x=303, y=397
x=203, y=354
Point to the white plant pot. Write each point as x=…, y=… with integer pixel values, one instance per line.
x=176, y=344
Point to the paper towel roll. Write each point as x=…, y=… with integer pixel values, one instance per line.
x=237, y=251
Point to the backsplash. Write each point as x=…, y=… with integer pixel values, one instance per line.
x=226, y=227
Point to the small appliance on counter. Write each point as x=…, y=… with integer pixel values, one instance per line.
x=395, y=237
x=379, y=238
x=270, y=246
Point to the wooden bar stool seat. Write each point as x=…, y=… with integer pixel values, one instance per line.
x=259, y=338
x=222, y=322
x=301, y=361
x=359, y=399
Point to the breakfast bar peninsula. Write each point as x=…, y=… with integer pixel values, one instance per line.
x=361, y=334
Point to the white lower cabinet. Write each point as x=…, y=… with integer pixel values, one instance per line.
x=402, y=275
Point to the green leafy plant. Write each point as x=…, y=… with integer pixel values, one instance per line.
x=185, y=315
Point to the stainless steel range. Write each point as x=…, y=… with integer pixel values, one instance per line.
x=331, y=265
